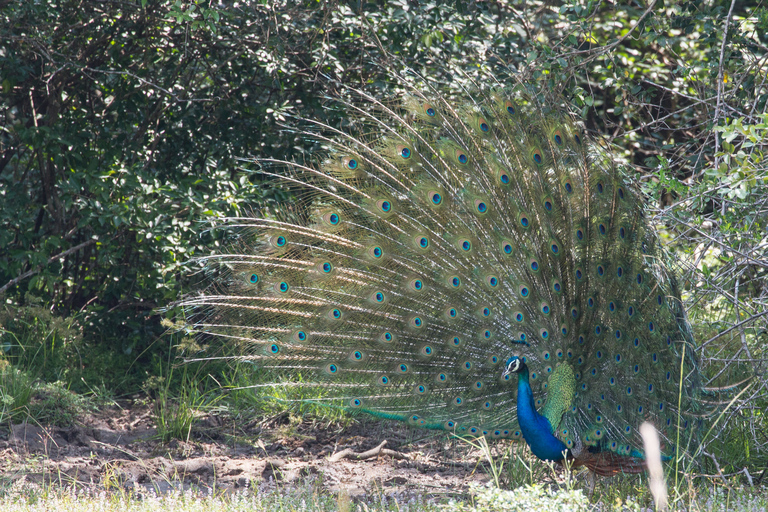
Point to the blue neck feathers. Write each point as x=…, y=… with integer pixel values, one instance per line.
x=536, y=429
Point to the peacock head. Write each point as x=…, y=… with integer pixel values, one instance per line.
x=514, y=365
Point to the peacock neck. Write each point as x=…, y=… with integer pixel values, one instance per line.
x=525, y=403
x=536, y=429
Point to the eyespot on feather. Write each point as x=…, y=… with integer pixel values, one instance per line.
x=435, y=197
x=375, y=252
x=464, y=245
x=356, y=356
x=454, y=342
x=454, y=282
x=279, y=241
x=334, y=314
x=482, y=125
x=416, y=322
x=405, y=152
x=331, y=369
x=350, y=162
x=323, y=268
x=299, y=335
x=503, y=177
x=421, y=243
x=450, y=313
x=385, y=206
x=484, y=313
x=461, y=156
x=481, y=206
x=492, y=281
x=416, y=285
x=429, y=110
x=331, y=218
x=378, y=297
x=427, y=350
x=537, y=156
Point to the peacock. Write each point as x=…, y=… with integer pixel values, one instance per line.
x=471, y=263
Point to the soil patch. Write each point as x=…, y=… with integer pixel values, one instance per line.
x=117, y=447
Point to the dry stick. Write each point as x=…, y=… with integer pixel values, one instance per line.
x=40, y=267
x=379, y=450
x=611, y=46
x=734, y=326
x=720, y=77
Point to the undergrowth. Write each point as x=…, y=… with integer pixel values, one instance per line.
x=25, y=399
x=308, y=496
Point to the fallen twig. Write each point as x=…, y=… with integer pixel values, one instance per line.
x=373, y=452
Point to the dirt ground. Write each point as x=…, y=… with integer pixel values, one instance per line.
x=118, y=447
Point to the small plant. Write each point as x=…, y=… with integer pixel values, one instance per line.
x=53, y=404
x=15, y=393
x=247, y=391
x=34, y=339
x=496, y=465
x=176, y=415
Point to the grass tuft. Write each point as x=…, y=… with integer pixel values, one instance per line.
x=15, y=393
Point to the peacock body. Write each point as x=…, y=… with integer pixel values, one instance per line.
x=445, y=245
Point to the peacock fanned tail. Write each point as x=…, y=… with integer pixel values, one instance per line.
x=438, y=238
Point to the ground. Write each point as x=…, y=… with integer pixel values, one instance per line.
x=117, y=446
